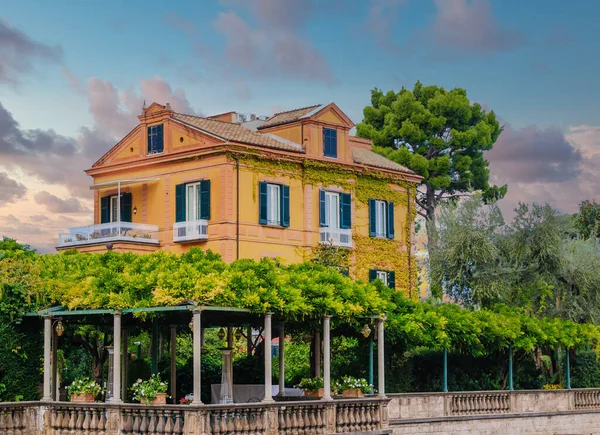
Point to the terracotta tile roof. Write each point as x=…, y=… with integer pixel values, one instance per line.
x=289, y=116
x=236, y=133
x=371, y=158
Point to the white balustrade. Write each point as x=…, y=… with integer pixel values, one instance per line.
x=190, y=230
x=336, y=236
x=109, y=232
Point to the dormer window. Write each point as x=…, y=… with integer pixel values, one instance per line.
x=155, y=139
x=330, y=142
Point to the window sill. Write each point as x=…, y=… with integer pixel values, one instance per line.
x=330, y=157
x=273, y=225
x=155, y=154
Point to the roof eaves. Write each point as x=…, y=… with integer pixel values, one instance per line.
x=313, y=112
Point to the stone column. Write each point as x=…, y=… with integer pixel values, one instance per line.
x=47, y=343
x=327, y=358
x=268, y=359
x=281, y=359
x=174, y=363
x=317, y=353
x=116, y=398
x=124, y=364
x=197, y=336
x=380, y=356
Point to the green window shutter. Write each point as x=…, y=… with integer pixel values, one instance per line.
x=205, y=199
x=372, y=218
x=285, y=206
x=372, y=275
x=180, y=203
x=159, y=138
x=322, y=208
x=262, y=218
x=345, y=211
x=105, y=209
x=392, y=279
x=390, y=220
x=126, y=207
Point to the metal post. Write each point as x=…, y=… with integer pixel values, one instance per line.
x=281, y=359
x=327, y=358
x=249, y=341
x=119, y=204
x=568, y=367
x=445, y=370
x=197, y=337
x=371, y=363
x=154, y=350
x=380, y=357
x=117, y=358
x=47, y=343
x=174, y=363
x=268, y=359
x=510, y=368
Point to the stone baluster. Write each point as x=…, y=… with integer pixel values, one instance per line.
x=94, y=422
x=281, y=420
x=168, y=427
x=17, y=422
x=161, y=423
x=178, y=424
x=10, y=428
x=137, y=423
x=143, y=429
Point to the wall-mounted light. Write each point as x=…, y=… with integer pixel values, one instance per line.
x=134, y=209
x=366, y=331
x=59, y=328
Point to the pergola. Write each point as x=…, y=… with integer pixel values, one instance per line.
x=202, y=317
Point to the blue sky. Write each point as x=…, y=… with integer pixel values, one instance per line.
x=82, y=68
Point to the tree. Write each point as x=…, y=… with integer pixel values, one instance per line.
x=438, y=134
x=587, y=221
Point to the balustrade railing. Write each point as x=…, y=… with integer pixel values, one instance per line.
x=109, y=232
x=480, y=403
x=13, y=420
x=279, y=418
x=238, y=420
x=307, y=419
x=587, y=399
x=357, y=417
x=76, y=419
x=142, y=420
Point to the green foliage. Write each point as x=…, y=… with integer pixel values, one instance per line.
x=20, y=363
x=438, y=134
x=83, y=386
x=587, y=221
x=350, y=383
x=310, y=384
x=146, y=391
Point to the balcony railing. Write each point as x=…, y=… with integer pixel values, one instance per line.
x=190, y=230
x=336, y=236
x=109, y=232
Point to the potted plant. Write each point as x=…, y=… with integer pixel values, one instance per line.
x=353, y=387
x=151, y=392
x=84, y=390
x=313, y=387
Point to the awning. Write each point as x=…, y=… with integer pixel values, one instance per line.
x=121, y=182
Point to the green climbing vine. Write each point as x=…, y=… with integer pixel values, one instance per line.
x=368, y=252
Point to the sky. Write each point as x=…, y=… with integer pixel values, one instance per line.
x=75, y=73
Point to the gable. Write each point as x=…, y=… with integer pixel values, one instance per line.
x=183, y=137
x=333, y=115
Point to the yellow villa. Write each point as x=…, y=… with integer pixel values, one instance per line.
x=254, y=187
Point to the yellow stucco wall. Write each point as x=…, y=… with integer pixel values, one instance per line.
x=155, y=202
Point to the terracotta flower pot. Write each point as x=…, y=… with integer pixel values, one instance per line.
x=318, y=393
x=82, y=398
x=160, y=399
x=353, y=393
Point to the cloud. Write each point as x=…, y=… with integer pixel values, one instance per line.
x=10, y=190
x=381, y=19
x=547, y=166
x=18, y=53
x=54, y=204
x=531, y=155
x=469, y=25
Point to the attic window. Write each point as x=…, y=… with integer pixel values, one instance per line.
x=330, y=142
x=155, y=139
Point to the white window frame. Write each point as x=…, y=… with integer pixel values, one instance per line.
x=113, y=208
x=382, y=275
x=194, y=201
x=381, y=218
x=273, y=204
x=332, y=208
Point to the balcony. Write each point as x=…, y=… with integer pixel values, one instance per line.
x=190, y=231
x=109, y=232
x=336, y=236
